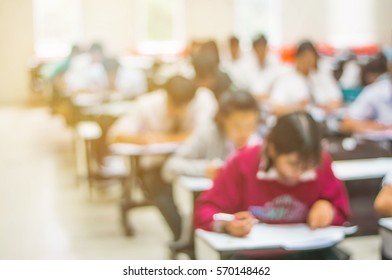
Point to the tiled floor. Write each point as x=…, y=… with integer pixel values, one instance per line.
x=45, y=215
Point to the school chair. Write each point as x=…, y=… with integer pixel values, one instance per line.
x=87, y=133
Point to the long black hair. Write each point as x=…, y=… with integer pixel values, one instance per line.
x=297, y=132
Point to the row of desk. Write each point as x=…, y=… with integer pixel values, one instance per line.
x=224, y=245
x=300, y=237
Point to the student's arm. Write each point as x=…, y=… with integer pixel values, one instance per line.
x=331, y=92
x=280, y=110
x=130, y=129
x=361, y=114
x=127, y=129
x=361, y=126
x=225, y=196
x=281, y=99
x=383, y=202
x=189, y=160
x=331, y=106
x=332, y=208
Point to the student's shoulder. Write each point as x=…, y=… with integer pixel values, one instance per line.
x=326, y=161
x=209, y=129
x=248, y=157
x=152, y=98
x=378, y=87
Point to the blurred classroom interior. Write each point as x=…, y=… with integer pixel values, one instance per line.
x=144, y=129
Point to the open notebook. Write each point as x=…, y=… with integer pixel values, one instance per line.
x=288, y=237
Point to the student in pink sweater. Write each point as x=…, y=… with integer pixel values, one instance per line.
x=286, y=179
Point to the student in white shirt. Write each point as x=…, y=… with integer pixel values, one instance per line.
x=208, y=76
x=234, y=127
x=304, y=85
x=372, y=110
x=376, y=69
x=168, y=115
x=383, y=202
x=261, y=69
x=233, y=64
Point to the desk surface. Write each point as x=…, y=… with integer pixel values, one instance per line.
x=288, y=237
x=194, y=184
x=386, y=223
x=360, y=169
x=376, y=135
x=144, y=150
x=114, y=109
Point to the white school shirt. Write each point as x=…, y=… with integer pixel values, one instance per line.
x=149, y=115
x=84, y=74
x=374, y=103
x=293, y=88
x=260, y=78
x=235, y=70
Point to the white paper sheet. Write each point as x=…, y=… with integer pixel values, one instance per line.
x=289, y=237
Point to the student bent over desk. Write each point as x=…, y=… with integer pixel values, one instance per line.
x=286, y=180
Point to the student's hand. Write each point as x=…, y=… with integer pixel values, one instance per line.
x=212, y=172
x=213, y=169
x=321, y=214
x=242, y=224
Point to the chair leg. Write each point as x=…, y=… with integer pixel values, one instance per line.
x=125, y=206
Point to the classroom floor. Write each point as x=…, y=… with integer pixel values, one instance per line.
x=44, y=214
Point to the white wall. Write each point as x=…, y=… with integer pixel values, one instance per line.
x=303, y=19
x=110, y=22
x=206, y=19
x=16, y=49
x=384, y=21
x=351, y=22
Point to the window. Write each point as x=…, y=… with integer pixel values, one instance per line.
x=160, y=26
x=253, y=17
x=57, y=25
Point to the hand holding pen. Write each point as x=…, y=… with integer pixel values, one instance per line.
x=239, y=224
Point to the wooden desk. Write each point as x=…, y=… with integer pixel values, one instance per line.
x=133, y=153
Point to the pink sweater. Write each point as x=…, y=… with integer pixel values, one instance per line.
x=237, y=188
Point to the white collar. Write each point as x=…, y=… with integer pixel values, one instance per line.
x=272, y=174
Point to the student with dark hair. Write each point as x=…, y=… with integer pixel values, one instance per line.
x=234, y=47
x=287, y=179
x=234, y=128
x=305, y=85
x=208, y=75
x=371, y=111
x=376, y=69
x=260, y=70
x=234, y=63
x=167, y=115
